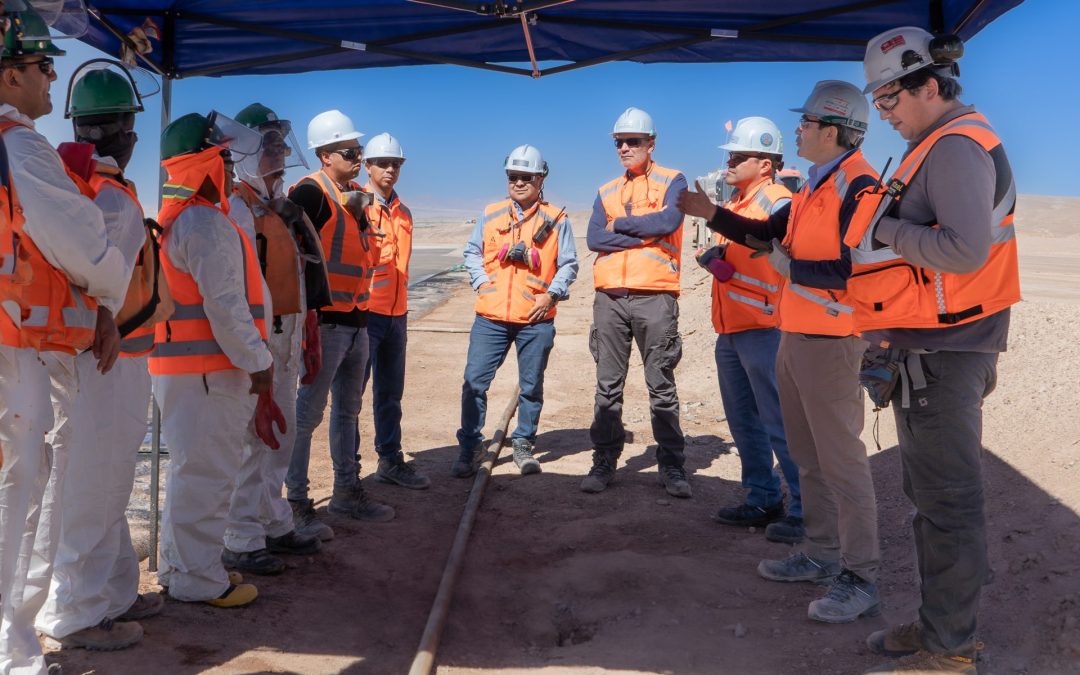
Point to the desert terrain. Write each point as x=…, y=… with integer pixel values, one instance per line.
x=631, y=580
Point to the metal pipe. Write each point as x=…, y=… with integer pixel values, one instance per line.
x=424, y=660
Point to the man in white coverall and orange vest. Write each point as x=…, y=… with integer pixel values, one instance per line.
x=210, y=359
x=260, y=520
x=946, y=217
x=62, y=265
x=96, y=572
x=636, y=232
x=521, y=260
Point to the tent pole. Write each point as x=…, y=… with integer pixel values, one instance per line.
x=155, y=424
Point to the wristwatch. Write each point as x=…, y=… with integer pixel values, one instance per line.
x=554, y=296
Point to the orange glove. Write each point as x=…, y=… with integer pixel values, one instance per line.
x=312, y=348
x=268, y=414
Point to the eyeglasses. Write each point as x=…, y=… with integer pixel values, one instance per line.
x=349, y=154
x=386, y=163
x=45, y=65
x=887, y=102
x=805, y=121
x=520, y=177
x=735, y=159
x=630, y=142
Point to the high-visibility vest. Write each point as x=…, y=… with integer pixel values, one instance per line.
x=748, y=300
x=15, y=271
x=813, y=233
x=889, y=292
x=510, y=296
x=279, y=256
x=351, y=255
x=654, y=265
x=390, y=282
x=185, y=344
x=58, y=316
x=147, y=300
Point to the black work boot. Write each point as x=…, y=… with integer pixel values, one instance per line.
x=745, y=515
x=255, y=562
x=673, y=478
x=468, y=461
x=396, y=471
x=294, y=543
x=602, y=472
x=353, y=502
x=523, y=456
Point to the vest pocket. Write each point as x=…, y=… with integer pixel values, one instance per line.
x=890, y=291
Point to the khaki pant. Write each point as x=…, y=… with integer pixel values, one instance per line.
x=822, y=405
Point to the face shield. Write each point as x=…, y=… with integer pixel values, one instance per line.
x=242, y=142
x=279, y=151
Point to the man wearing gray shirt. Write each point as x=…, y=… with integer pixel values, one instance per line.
x=953, y=229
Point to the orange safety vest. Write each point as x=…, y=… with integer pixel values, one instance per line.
x=390, y=283
x=278, y=253
x=147, y=285
x=509, y=297
x=748, y=299
x=889, y=292
x=350, y=254
x=58, y=316
x=185, y=343
x=654, y=265
x=813, y=233
x=15, y=271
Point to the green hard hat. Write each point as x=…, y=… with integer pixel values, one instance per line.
x=102, y=91
x=28, y=35
x=256, y=115
x=185, y=135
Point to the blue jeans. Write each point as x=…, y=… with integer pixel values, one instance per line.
x=746, y=368
x=344, y=357
x=387, y=336
x=489, y=343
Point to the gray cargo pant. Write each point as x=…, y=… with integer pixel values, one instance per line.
x=940, y=445
x=652, y=321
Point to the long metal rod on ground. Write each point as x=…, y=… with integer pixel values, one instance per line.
x=424, y=660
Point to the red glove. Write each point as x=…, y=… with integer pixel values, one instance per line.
x=267, y=414
x=312, y=348
x=79, y=157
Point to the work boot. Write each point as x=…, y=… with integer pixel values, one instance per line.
x=307, y=522
x=896, y=641
x=926, y=662
x=798, y=567
x=673, y=478
x=787, y=530
x=145, y=606
x=397, y=472
x=745, y=515
x=107, y=636
x=294, y=543
x=235, y=596
x=257, y=562
x=602, y=472
x=848, y=598
x=523, y=457
x=468, y=461
x=353, y=502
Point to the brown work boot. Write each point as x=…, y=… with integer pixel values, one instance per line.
x=145, y=606
x=107, y=636
x=895, y=641
x=926, y=663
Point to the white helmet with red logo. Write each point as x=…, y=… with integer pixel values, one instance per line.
x=900, y=51
x=837, y=102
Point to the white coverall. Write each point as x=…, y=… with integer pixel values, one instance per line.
x=204, y=418
x=96, y=572
x=70, y=232
x=258, y=509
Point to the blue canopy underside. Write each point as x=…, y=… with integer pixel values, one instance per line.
x=249, y=37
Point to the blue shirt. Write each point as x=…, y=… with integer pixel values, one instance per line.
x=631, y=231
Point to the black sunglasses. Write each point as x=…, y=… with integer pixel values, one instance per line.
x=45, y=65
x=349, y=154
x=630, y=142
x=737, y=158
x=522, y=177
x=387, y=163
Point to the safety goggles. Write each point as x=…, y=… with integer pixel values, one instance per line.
x=387, y=163
x=521, y=177
x=45, y=65
x=887, y=102
x=349, y=154
x=630, y=142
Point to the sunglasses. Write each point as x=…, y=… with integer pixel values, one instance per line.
x=629, y=142
x=806, y=121
x=520, y=177
x=887, y=102
x=45, y=65
x=349, y=154
x=735, y=159
x=386, y=163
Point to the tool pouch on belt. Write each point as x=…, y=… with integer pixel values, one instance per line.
x=879, y=374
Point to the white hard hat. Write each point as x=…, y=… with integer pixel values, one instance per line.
x=755, y=134
x=897, y=52
x=634, y=121
x=383, y=146
x=837, y=102
x=329, y=127
x=527, y=159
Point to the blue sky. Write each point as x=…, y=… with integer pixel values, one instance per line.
x=457, y=124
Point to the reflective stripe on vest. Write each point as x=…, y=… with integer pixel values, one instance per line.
x=136, y=345
x=390, y=285
x=350, y=254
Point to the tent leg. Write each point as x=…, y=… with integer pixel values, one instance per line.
x=155, y=432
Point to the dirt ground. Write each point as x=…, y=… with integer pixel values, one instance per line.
x=631, y=580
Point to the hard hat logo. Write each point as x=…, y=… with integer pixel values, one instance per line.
x=888, y=45
x=766, y=140
x=835, y=106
